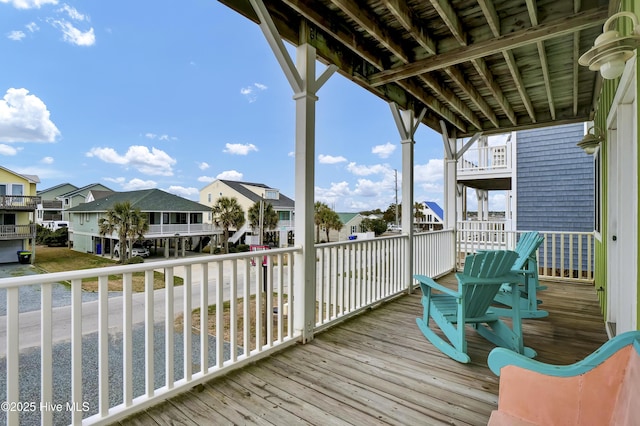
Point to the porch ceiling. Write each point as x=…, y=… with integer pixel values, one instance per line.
x=478, y=65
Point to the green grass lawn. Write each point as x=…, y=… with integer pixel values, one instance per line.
x=62, y=259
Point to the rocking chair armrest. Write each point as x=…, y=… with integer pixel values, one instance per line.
x=428, y=281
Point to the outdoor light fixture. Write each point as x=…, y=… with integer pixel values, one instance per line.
x=611, y=51
x=591, y=141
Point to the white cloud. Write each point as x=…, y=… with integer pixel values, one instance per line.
x=203, y=166
x=29, y=4
x=164, y=137
x=230, y=175
x=191, y=193
x=383, y=151
x=430, y=172
x=206, y=179
x=73, y=35
x=118, y=180
x=8, y=150
x=16, y=35
x=47, y=160
x=239, y=149
x=330, y=159
x=154, y=162
x=25, y=118
x=137, y=184
x=360, y=170
x=250, y=93
x=32, y=27
x=367, y=188
x=73, y=13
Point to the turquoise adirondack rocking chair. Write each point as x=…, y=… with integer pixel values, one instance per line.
x=526, y=266
x=484, y=273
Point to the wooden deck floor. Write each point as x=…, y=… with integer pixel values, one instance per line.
x=378, y=369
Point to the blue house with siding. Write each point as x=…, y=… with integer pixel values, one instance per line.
x=555, y=189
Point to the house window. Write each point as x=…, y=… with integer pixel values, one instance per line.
x=3, y=189
x=195, y=218
x=271, y=194
x=17, y=189
x=209, y=197
x=354, y=229
x=597, y=192
x=284, y=215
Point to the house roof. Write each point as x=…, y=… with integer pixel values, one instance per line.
x=81, y=191
x=241, y=188
x=53, y=188
x=30, y=178
x=435, y=208
x=147, y=200
x=490, y=66
x=347, y=217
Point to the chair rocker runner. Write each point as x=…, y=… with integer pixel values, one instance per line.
x=484, y=273
x=526, y=266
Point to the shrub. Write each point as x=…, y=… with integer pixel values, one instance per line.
x=242, y=247
x=134, y=259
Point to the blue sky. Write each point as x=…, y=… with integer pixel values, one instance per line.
x=173, y=95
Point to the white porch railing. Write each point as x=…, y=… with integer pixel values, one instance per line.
x=485, y=158
x=562, y=255
x=137, y=330
x=124, y=346
x=183, y=229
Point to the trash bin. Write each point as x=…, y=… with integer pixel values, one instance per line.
x=98, y=248
x=353, y=237
x=24, y=256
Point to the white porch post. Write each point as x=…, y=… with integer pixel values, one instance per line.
x=450, y=179
x=302, y=78
x=407, y=124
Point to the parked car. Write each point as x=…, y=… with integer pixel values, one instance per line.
x=138, y=250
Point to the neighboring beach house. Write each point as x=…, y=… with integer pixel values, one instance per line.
x=173, y=221
x=350, y=226
x=432, y=218
x=18, y=203
x=57, y=199
x=248, y=194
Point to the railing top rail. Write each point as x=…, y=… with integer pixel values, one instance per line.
x=343, y=243
x=55, y=277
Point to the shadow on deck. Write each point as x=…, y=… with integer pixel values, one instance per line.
x=378, y=368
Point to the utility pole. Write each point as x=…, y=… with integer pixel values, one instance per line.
x=261, y=218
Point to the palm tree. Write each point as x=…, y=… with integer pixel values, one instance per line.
x=130, y=224
x=318, y=208
x=227, y=213
x=269, y=217
x=418, y=207
x=325, y=217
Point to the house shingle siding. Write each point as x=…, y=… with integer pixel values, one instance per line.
x=555, y=180
x=555, y=187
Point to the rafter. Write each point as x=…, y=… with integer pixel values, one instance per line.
x=461, y=80
x=412, y=25
x=556, y=28
x=451, y=20
x=533, y=16
x=368, y=22
x=517, y=80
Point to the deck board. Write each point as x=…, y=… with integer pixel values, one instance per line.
x=378, y=369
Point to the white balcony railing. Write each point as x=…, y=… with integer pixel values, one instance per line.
x=182, y=229
x=562, y=255
x=485, y=158
x=124, y=347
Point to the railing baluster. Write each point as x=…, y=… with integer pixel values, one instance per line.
x=149, y=327
x=233, y=311
x=127, y=339
x=204, y=318
x=46, y=353
x=76, y=351
x=220, y=313
x=103, y=345
x=168, y=328
x=187, y=340
x=13, y=354
x=246, y=309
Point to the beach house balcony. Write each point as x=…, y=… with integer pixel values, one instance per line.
x=326, y=334
x=19, y=202
x=486, y=167
x=122, y=353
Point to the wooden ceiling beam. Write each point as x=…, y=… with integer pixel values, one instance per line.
x=369, y=23
x=533, y=16
x=451, y=20
x=517, y=80
x=556, y=28
x=461, y=80
x=411, y=24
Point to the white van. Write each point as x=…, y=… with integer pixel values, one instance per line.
x=54, y=225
